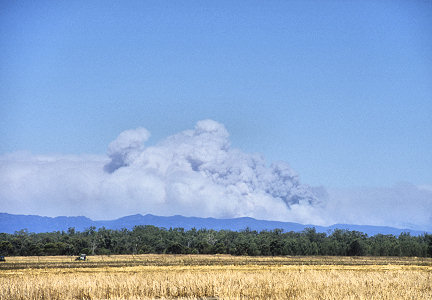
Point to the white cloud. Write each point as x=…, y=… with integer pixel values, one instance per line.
x=193, y=173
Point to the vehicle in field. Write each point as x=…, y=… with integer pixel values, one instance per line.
x=82, y=257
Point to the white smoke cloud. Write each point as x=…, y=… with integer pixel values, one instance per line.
x=192, y=173
x=128, y=145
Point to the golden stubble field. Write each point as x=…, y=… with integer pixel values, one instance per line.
x=215, y=277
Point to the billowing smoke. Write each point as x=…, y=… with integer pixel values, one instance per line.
x=204, y=155
x=192, y=173
x=124, y=150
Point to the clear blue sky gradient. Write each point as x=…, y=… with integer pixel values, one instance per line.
x=342, y=90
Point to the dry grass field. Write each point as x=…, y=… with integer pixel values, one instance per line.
x=215, y=277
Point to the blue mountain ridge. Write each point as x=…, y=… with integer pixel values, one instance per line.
x=9, y=223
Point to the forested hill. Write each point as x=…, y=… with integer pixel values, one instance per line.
x=10, y=223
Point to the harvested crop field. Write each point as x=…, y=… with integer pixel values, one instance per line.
x=215, y=277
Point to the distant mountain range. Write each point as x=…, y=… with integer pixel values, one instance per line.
x=10, y=223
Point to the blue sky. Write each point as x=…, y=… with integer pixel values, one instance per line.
x=341, y=90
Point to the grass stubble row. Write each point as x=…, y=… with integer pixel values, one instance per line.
x=244, y=279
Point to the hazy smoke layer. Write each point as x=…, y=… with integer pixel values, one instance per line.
x=192, y=173
x=403, y=205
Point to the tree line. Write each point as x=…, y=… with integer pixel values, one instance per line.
x=151, y=239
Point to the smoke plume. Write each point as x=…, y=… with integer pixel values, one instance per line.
x=192, y=173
